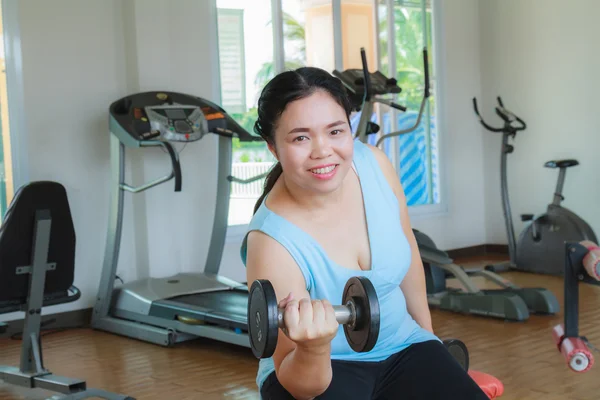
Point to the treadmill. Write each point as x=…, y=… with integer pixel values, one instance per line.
x=186, y=306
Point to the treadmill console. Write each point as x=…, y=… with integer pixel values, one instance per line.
x=176, y=123
x=170, y=117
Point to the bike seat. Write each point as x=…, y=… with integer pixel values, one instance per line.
x=561, y=163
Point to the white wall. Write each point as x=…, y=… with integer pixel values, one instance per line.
x=461, y=142
x=79, y=57
x=73, y=68
x=173, y=52
x=541, y=58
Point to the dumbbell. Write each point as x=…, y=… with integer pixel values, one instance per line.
x=459, y=351
x=359, y=315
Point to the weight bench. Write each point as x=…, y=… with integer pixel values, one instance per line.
x=37, y=265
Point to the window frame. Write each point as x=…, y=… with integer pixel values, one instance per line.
x=424, y=211
x=235, y=233
x=14, y=84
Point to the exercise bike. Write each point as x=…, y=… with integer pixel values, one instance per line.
x=540, y=246
x=509, y=302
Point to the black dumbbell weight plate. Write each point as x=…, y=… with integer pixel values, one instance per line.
x=459, y=351
x=262, y=318
x=362, y=336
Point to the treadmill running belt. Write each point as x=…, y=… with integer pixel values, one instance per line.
x=227, y=308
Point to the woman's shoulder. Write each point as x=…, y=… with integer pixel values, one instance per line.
x=386, y=167
x=266, y=238
x=270, y=219
x=272, y=250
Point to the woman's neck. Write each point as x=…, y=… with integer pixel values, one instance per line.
x=313, y=202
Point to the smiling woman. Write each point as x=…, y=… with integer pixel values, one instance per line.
x=288, y=138
x=334, y=208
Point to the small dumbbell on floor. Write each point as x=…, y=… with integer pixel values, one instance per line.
x=459, y=351
x=359, y=315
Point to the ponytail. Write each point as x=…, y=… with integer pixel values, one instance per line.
x=272, y=177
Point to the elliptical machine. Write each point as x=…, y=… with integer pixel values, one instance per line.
x=509, y=302
x=541, y=245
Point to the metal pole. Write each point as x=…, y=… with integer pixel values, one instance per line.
x=337, y=35
x=278, y=45
x=392, y=73
x=31, y=356
x=376, y=45
x=510, y=231
x=113, y=236
x=220, y=221
x=427, y=120
x=559, y=187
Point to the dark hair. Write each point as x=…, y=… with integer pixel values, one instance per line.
x=283, y=89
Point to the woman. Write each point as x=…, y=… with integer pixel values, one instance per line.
x=333, y=208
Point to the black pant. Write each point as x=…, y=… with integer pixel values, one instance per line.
x=422, y=371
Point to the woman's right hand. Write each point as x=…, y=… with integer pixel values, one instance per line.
x=311, y=324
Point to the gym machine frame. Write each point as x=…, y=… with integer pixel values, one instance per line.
x=31, y=372
x=166, y=311
x=574, y=348
x=539, y=246
x=510, y=301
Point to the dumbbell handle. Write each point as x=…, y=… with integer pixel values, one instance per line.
x=343, y=314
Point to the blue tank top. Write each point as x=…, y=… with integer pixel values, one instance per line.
x=391, y=258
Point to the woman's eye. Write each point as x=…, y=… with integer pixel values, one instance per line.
x=336, y=131
x=300, y=139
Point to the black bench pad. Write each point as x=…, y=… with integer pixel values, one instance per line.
x=16, y=243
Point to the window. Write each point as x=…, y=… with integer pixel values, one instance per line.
x=246, y=64
x=308, y=34
x=6, y=184
x=415, y=154
x=327, y=34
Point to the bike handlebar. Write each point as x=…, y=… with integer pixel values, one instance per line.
x=426, y=67
x=390, y=103
x=366, y=76
x=507, y=116
x=426, y=95
x=370, y=97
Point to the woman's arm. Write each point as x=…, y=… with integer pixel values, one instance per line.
x=303, y=369
x=413, y=286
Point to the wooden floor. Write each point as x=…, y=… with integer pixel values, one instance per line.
x=521, y=355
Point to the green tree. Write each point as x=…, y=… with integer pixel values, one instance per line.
x=408, y=36
x=294, y=35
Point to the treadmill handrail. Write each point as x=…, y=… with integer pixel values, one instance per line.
x=175, y=171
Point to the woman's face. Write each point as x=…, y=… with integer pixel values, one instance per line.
x=313, y=142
